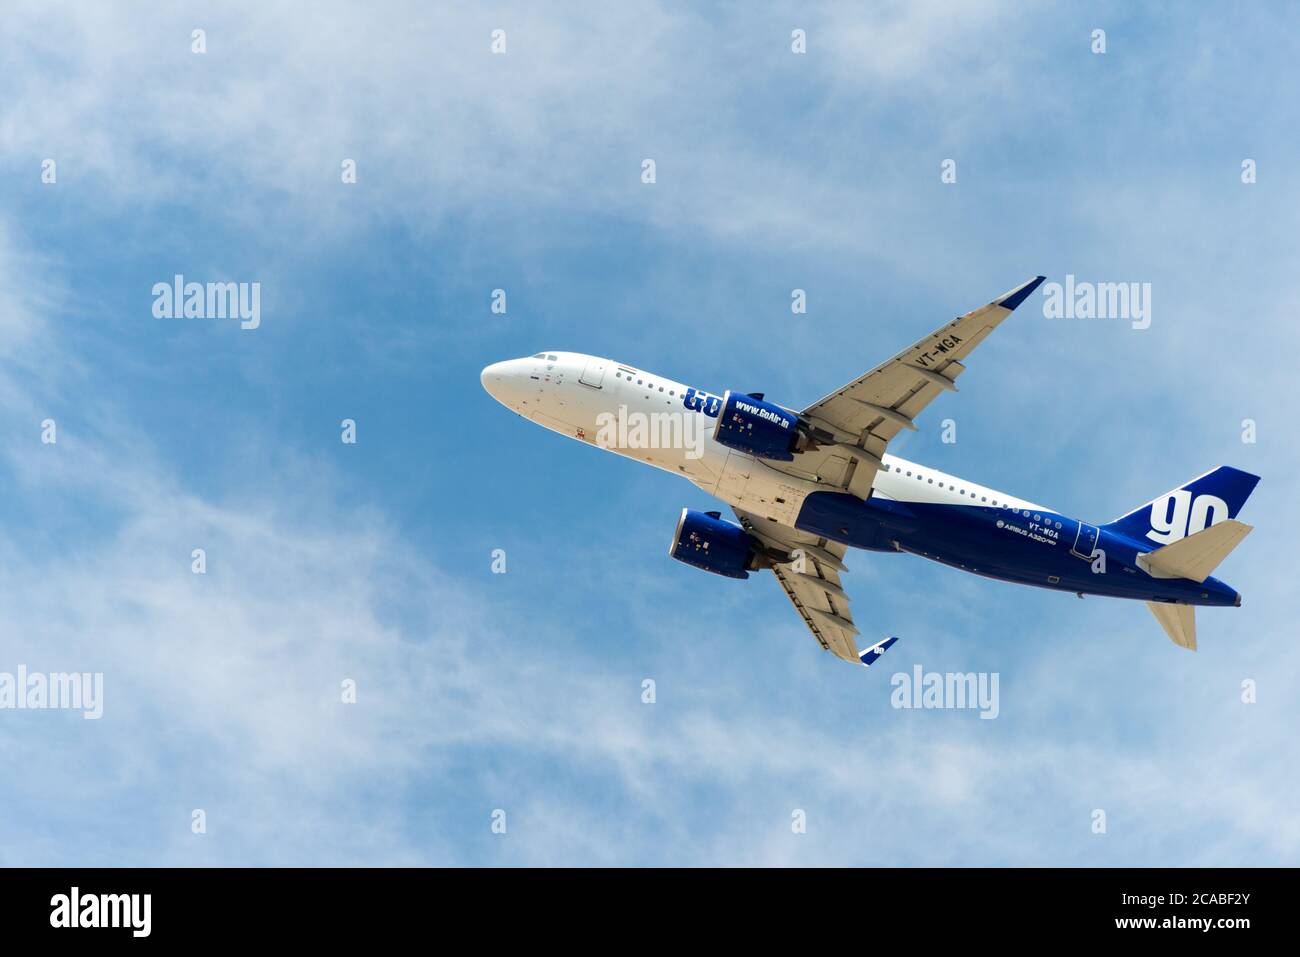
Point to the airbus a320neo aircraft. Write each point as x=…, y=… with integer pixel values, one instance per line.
x=806, y=486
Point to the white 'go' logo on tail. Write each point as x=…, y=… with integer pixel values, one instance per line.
x=1178, y=515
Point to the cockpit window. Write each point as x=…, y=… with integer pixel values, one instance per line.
x=540, y=355
x=552, y=358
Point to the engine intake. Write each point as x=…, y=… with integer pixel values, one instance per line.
x=705, y=540
x=748, y=424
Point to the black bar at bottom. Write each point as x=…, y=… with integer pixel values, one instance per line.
x=337, y=906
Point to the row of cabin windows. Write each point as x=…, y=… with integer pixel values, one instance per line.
x=617, y=375
x=648, y=385
x=952, y=488
x=983, y=498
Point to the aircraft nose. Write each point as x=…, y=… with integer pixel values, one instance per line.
x=504, y=381
x=493, y=377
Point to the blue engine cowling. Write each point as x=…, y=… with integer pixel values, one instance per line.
x=704, y=540
x=748, y=424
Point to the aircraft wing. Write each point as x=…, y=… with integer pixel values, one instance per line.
x=813, y=584
x=862, y=416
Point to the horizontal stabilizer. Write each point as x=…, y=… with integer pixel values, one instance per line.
x=1178, y=621
x=872, y=654
x=1195, y=556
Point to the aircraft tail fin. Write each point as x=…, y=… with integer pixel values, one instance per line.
x=1178, y=621
x=1205, y=500
x=1194, y=557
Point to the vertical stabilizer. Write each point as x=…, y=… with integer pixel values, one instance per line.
x=1204, y=501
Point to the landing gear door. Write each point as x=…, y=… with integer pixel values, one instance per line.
x=594, y=374
x=1085, y=543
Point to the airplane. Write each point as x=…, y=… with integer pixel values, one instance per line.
x=805, y=486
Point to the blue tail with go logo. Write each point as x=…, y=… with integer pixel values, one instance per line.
x=1213, y=497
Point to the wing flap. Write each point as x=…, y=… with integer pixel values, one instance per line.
x=811, y=582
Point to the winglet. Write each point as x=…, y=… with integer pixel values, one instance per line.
x=1018, y=295
x=872, y=654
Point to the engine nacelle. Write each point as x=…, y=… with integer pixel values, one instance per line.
x=748, y=424
x=704, y=540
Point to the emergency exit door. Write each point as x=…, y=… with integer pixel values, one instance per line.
x=594, y=374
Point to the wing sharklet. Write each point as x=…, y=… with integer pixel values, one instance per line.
x=1022, y=292
x=869, y=656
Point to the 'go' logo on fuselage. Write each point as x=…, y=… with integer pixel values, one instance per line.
x=1178, y=515
x=697, y=401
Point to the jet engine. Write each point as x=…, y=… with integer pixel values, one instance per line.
x=705, y=540
x=748, y=424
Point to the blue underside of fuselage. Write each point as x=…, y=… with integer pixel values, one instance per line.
x=1002, y=543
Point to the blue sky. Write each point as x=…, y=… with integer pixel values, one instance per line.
x=522, y=172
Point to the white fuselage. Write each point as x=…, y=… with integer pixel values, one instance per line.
x=650, y=418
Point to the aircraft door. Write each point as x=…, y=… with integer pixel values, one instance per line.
x=1085, y=543
x=594, y=374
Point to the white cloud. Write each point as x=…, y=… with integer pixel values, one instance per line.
x=438, y=125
